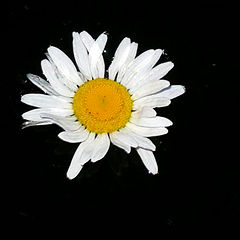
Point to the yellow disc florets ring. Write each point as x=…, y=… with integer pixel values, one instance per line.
x=102, y=105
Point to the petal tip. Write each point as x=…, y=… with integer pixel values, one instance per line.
x=72, y=173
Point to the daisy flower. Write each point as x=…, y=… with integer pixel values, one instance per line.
x=94, y=109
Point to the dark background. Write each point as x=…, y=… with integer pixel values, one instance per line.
x=198, y=182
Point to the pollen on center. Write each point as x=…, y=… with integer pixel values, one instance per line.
x=102, y=105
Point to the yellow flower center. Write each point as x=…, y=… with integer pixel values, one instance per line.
x=102, y=105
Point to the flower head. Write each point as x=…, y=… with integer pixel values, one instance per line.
x=94, y=109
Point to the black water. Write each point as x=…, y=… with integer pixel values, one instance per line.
x=198, y=182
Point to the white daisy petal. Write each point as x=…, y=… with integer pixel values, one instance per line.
x=137, y=81
x=86, y=39
x=42, y=84
x=140, y=63
x=120, y=57
x=172, y=92
x=152, y=122
x=133, y=52
x=151, y=101
x=155, y=74
x=151, y=75
x=101, y=146
x=115, y=141
x=45, y=101
x=64, y=65
x=144, y=112
x=71, y=85
x=96, y=61
x=160, y=71
x=88, y=151
x=34, y=115
x=142, y=72
x=147, y=131
x=155, y=58
x=35, y=123
x=149, y=88
x=143, y=60
x=95, y=49
x=141, y=141
x=68, y=124
x=57, y=85
x=131, y=55
x=148, y=159
x=77, y=136
x=122, y=51
x=144, y=142
x=78, y=161
x=122, y=136
x=81, y=55
x=75, y=168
